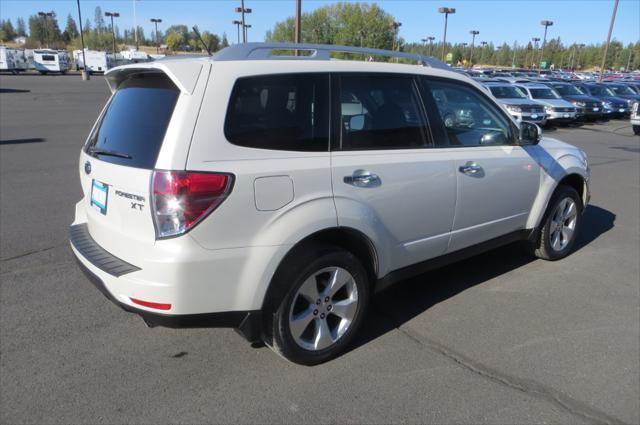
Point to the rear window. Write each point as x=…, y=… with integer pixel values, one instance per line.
x=133, y=126
x=48, y=58
x=280, y=112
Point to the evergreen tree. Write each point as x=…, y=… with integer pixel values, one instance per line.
x=71, y=29
x=21, y=28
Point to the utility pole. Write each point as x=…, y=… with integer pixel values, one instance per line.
x=446, y=11
x=156, y=22
x=546, y=24
x=84, y=73
x=473, y=39
x=113, y=32
x=298, y=34
x=606, y=48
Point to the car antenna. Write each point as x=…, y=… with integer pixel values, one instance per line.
x=195, y=29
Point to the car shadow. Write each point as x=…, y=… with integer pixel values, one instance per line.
x=2, y=90
x=408, y=299
x=21, y=141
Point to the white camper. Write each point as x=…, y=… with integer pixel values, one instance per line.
x=134, y=56
x=97, y=61
x=11, y=60
x=48, y=60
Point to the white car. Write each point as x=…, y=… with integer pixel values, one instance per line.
x=557, y=109
x=517, y=103
x=276, y=194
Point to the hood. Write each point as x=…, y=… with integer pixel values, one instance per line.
x=580, y=98
x=558, y=103
x=615, y=100
x=549, y=143
x=518, y=101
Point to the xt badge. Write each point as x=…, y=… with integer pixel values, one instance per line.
x=139, y=205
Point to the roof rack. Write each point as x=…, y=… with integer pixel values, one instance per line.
x=264, y=51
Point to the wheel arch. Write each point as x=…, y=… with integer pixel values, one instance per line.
x=347, y=238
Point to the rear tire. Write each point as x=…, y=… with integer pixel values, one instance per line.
x=560, y=225
x=326, y=302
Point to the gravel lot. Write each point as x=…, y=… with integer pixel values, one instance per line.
x=500, y=338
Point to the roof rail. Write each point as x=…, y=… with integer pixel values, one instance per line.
x=264, y=51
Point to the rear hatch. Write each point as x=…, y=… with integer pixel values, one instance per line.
x=118, y=160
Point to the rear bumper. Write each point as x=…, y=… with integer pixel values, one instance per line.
x=98, y=265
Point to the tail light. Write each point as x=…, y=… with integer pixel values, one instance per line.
x=181, y=199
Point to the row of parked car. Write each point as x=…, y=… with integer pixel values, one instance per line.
x=549, y=100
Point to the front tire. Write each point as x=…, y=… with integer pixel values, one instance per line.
x=324, y=308
x=560, y=225
x=636, y=130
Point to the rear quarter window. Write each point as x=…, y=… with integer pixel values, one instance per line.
x=280, y=112
x=133, y=126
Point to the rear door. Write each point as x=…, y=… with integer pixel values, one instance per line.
x=388, y=180
x=118, y=160
x=497, y=180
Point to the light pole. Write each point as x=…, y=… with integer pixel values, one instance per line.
x=237, y=24
x=84, y=73
x=464, y=47
x=394, y=27
x=498, y=49
x=298, y=34
x=243, y=10
x=113, y=32
x=484, y=49
x=473, y=39
x=535, y=50
x=430, y=40
x=606, y=48
x=580, y=46
x=44, y=16
x=156, y=21
x=546, y=24
x=446, y=11
x=246, y=32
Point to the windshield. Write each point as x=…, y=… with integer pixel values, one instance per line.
x=544, y=94
x=600, y=91
x=567, y=90
x=507, y=92
x=621, y=90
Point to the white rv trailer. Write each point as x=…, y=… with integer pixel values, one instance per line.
x=97, y=61
x=48, y=60
x=12, y=60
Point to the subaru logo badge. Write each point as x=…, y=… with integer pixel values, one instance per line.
x=87, y=167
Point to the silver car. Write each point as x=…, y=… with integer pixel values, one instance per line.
x=557, y=109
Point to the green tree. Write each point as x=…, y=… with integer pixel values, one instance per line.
x=71, y=29
x=350, y=24
x=21, y=28
x=225, y=42
x=45, y=30
x=175, y=41
x=98, y=20
x=8, y=30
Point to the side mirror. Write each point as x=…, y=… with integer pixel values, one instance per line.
x=356, y=122
x=530, y=134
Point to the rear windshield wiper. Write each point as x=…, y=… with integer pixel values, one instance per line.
x=109, y=153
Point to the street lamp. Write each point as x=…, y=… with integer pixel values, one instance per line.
x=546, y=24
x=394, y=26
x=243, y=10
x=237, y=24
x=156, y=21
x=606, y=47
x=44, y=16
x=113, y=32
x=84, y=73
x=580, y=46
x=484, y=45
x=446, y=11
x=535, y=50
x=246, y=32
x=473, y=39
x=498, y=48
x=430, y=40
x=464, y=46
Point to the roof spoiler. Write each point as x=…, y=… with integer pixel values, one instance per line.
x=184, y=74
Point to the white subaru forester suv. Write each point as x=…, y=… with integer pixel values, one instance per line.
x=275, y=194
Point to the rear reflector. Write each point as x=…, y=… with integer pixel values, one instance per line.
x=181, y=199
x=157, y=306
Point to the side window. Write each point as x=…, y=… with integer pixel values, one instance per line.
x=469, y=118
x=280, y=112
x=380, y=112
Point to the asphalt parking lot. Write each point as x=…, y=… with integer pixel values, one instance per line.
x=499, y=338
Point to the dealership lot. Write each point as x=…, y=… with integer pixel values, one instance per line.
x=498, y=338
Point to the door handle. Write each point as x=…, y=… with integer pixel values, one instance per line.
x=470, y=169
x=363, y=178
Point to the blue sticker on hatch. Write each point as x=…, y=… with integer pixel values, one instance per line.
x=99, y=195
